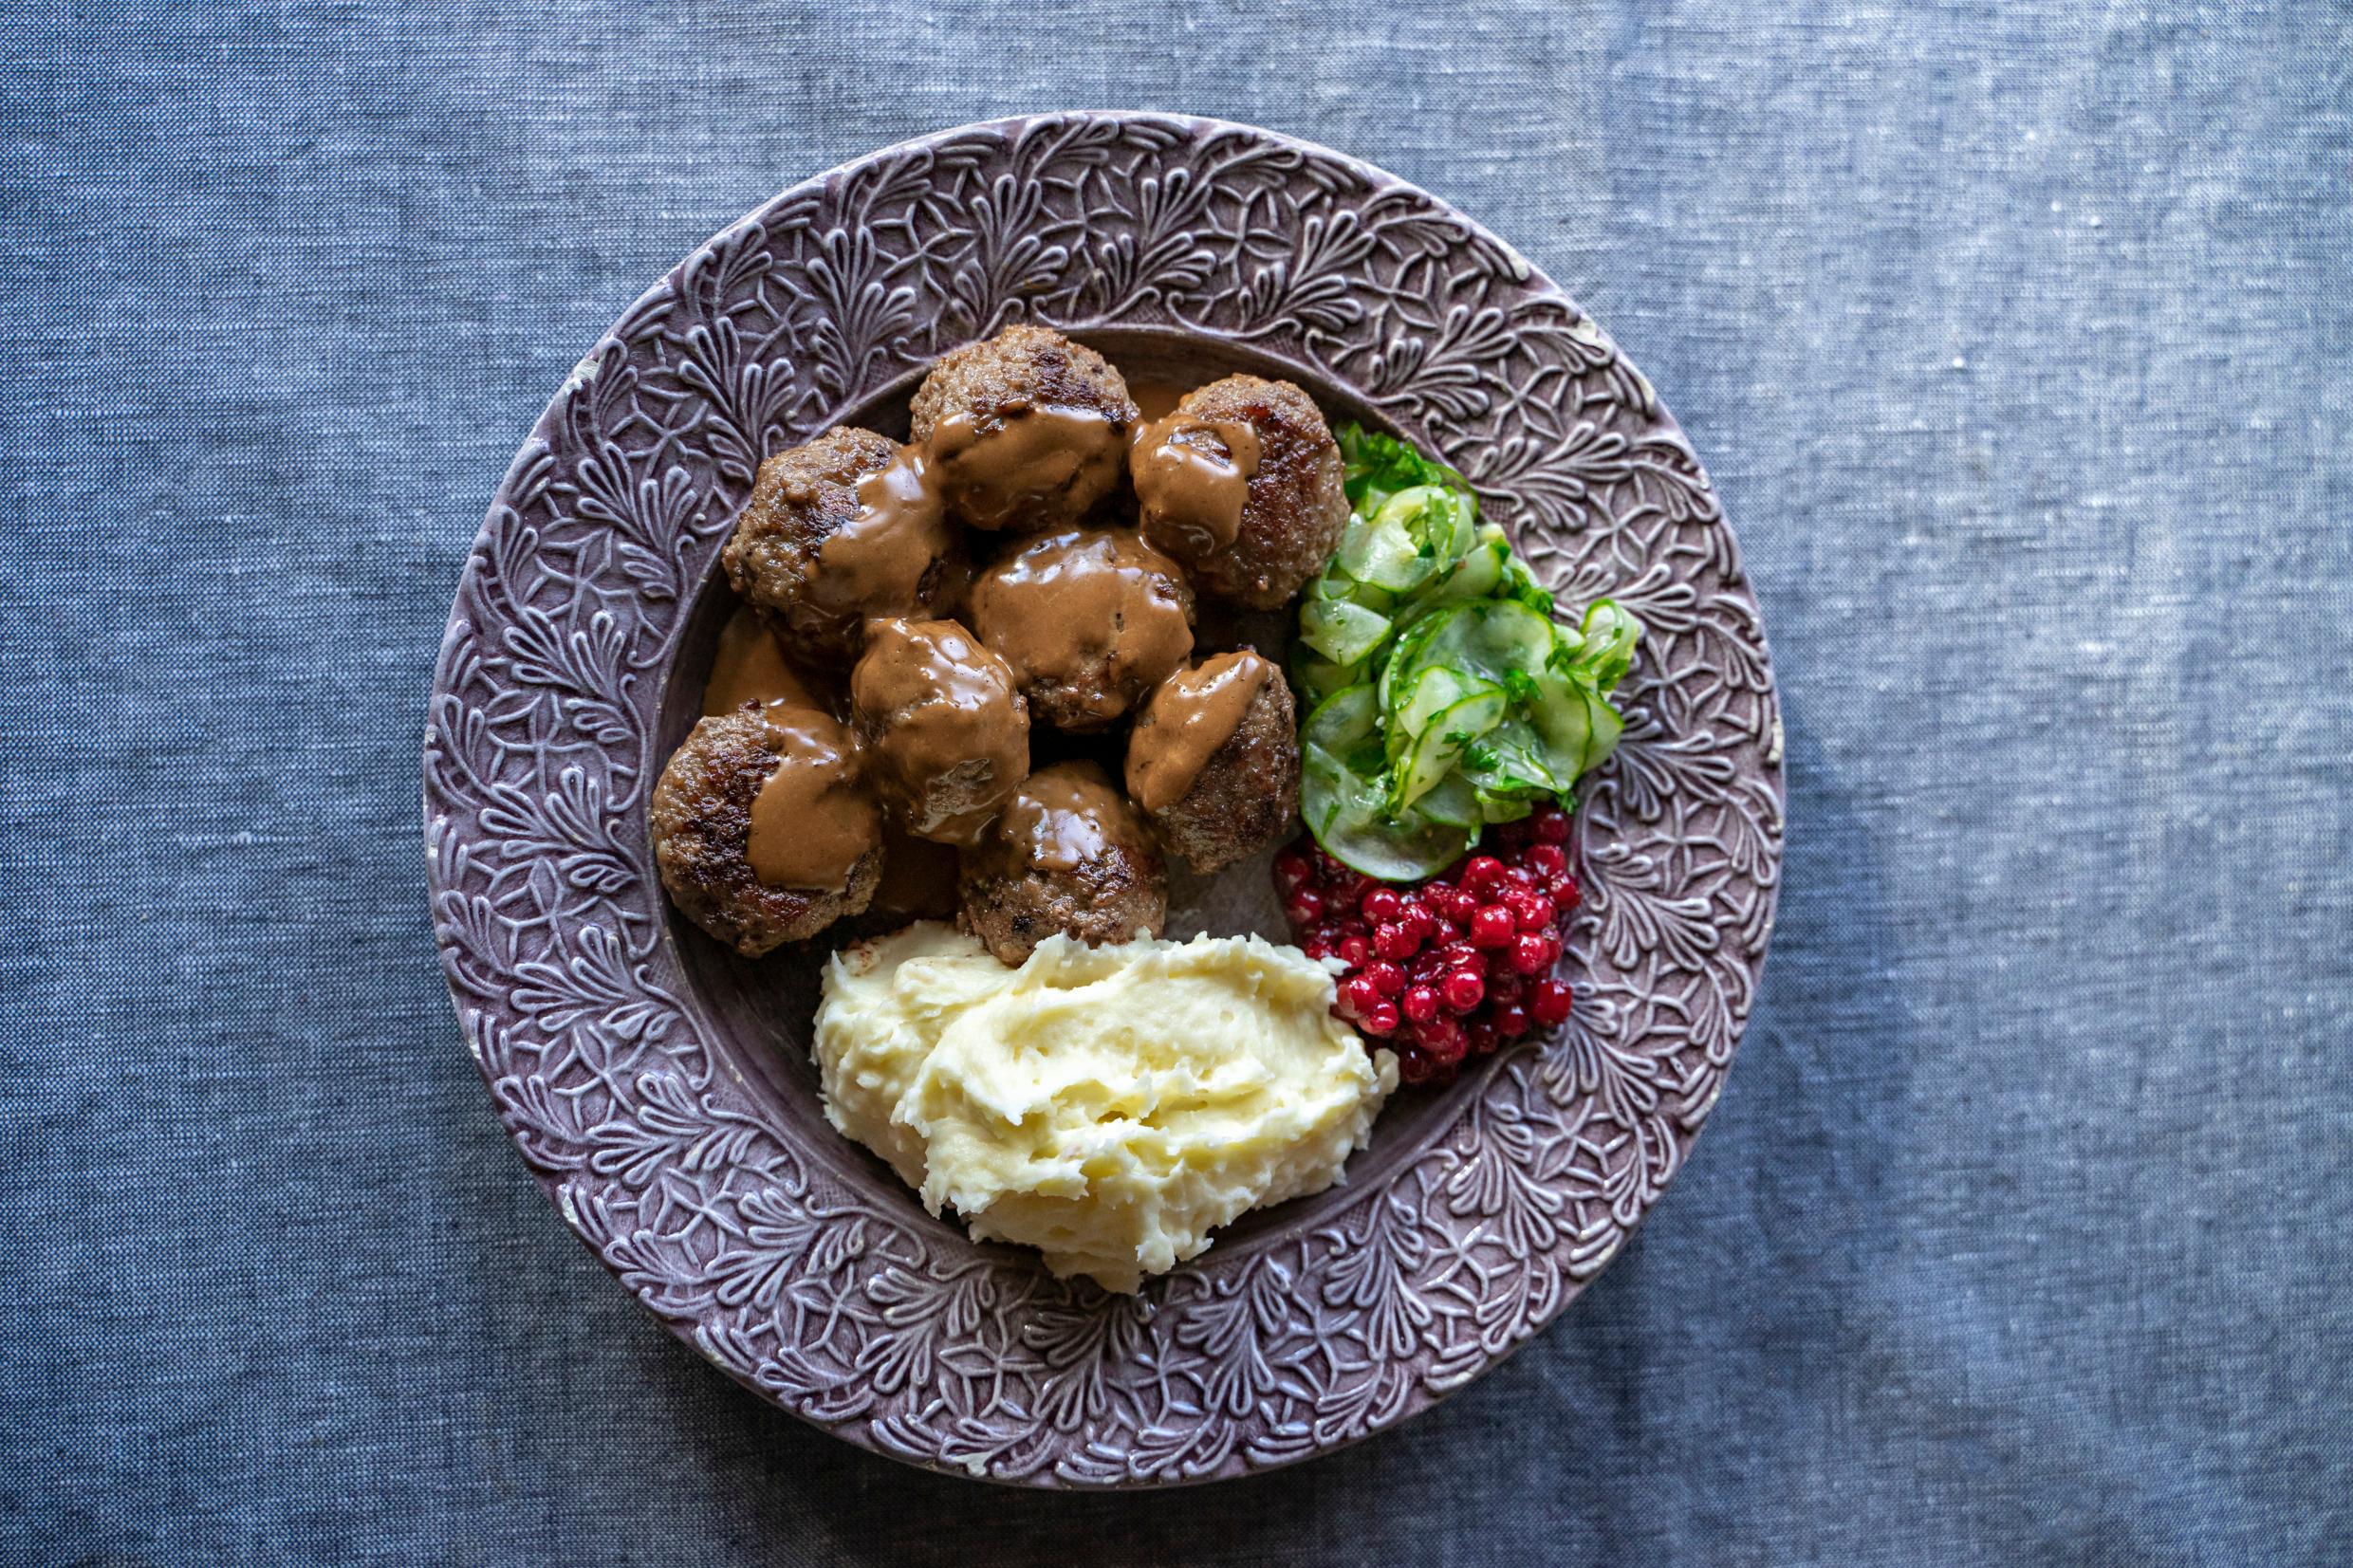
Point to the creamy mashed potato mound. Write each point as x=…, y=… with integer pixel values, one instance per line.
x=1109, y=1106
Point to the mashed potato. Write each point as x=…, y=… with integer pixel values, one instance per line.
x=1108, y=1106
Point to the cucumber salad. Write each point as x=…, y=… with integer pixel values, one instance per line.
x=1442, y=694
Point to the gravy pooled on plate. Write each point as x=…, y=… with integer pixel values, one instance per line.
x=749, y=668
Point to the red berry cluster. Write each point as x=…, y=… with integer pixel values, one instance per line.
x=1450, y=968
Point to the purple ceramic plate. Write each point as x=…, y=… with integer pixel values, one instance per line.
x=661, y=1088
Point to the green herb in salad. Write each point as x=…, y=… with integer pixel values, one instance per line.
x=1442, y=694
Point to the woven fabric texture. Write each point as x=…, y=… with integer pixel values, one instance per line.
x=2015, y=338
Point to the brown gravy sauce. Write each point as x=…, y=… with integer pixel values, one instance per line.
x=1191, y=481
x=1060, y=819
x=1157, y=399
x=918, y=878
x=812, y=820
x=875, y=562
x=936, y=702
x=1091, y=599
x=750, y=667
x=1193, y=713
x=997, y=469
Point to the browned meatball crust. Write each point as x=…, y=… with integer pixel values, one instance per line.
x=700, y=817
x=1070, y=855
x=1246, y=794
x=1297, y=506
x=802, y=498
x=1027, y=429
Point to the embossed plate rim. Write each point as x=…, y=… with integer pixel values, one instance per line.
x=546, y=700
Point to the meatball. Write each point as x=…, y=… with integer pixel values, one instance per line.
x=1068, y=855
x=1213, y=760
x=1029, y=431
x=1293, y=511
x=946, y=733
x=1090, y=622
x=714, y=819
x=844, y=528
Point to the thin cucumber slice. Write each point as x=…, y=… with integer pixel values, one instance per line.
x=1404, y=657
x=1579, y=726
x=1440, y=742
x=1564, y=722
x=1438, y=688
x=1341, y=631
x=1334, y=584
x=1343, y=808
x=1507, y=772
x=1609, y=637
x=1444, y=522
x=1381, y=552
x=1607, y=726
x=1452, y=802
x=1319, y=678
x=1476, y=575
x=1494, y=640
x=1359, y=838
x=1343, y=721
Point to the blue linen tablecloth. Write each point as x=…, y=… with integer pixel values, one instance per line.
x=2016, y=340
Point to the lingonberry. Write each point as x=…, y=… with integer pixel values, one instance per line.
x=1492, y=927
x=1459, y=965
x=1443, y=1038
x=1415, y=916
x=1532, y=952
x=1464, y=989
